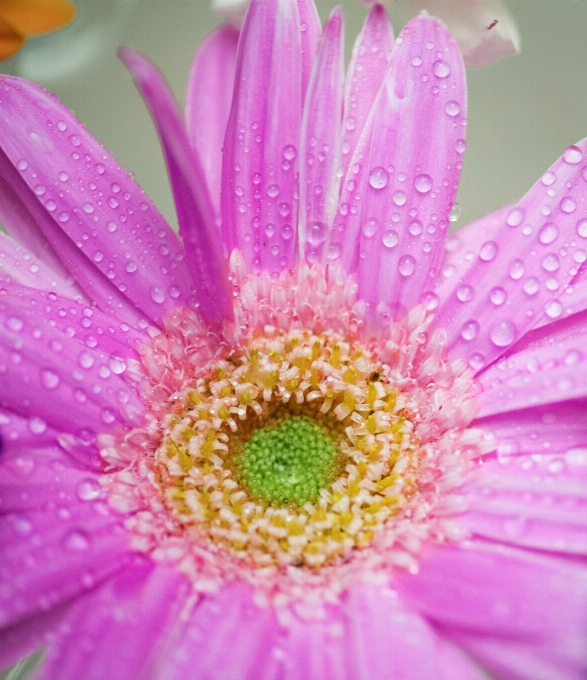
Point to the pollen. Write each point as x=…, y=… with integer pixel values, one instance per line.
x=295, y=449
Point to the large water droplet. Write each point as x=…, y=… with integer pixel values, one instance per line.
x=407, y=265
x=157, y=295
x=460, y=146
x=517, y=269
x=378, y=178
x=548, y=233
x=568, y=205
x=286, y=232
x=452, y=108
x=470, y=330
x=390, y=238
x=515, y=217
x=14, y=324
x=441, y=68
x=334, y=251
x=553, y=309
x=582, y=228
x=370, y=228
x=550, y=263
x=317, y=233
x=88, y=490
x=289, y=152
x=455, y=213
x=85, y=360
x=572, y=155
x=272, y=190
x=50, y=379
x=503, y=333
x=497, y=296
x=423, y=183
x=76, y=540
x=488, y=251
x=465, y=293
x=399, y=197
x=531, y=286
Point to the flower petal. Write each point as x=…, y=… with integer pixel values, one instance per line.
x=491, y=591
x=259, y=204
x=518, y=282
x=195, y=213
x=371, y=53
x=225, y=620
x=11, y=40
x=395, y=202
x=116, y=631
x=58, y=171
x=311, y=30
x=320, y=143
x=37, y=16
x=549, y=365
x=207, y=103
x=47, y=374
x=18, y=265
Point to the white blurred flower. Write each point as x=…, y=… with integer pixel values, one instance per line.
x=233, y=10
x=484, y=29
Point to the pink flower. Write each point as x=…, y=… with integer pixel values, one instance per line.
x=319, y=438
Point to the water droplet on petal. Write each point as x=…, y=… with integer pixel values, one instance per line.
x=131, y=266
x=488, y=251
x=85, y=360
x=415, y=227
x=455, y=213
x=289, y=152
x=531, y=286
x=423, y=183
x=465, y=293
x=407, y=265
x=452, y=108
x=378, y=178
x=14, y=324
x=157, y=295
x=370, y=228
x=89, y=489
x=553, y=309
x=286, y=232
x=572, y=155
x=503, y=333
x=470, y=330
x=568, y=205
x=548, y=233
x=316, y=233
x=550, y=263
x=441, y=68
x=460, y=146
x=582, y=228
x=430, y=300
x=50, y=379
x=272, y=190
x=390, y=238
x=76, y=541
x=515, y=217
x=37, y=425
x=399, y=197
x=334, y=251
x=517, y=269
x=497, y=296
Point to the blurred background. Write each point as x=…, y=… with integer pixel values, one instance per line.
x=523, y=111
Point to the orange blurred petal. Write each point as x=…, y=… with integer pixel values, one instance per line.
x=30, y=17
x=10, y=40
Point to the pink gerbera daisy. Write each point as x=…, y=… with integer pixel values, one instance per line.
x=318, y=438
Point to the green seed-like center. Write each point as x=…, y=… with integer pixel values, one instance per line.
x=288, y=461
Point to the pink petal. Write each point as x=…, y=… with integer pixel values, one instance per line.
x=552, y=367
x=518, y=281
x=371, y=53
x=401, y=185
x=48, y=148
x=20, y=224
x=320, y=144
x=47, y=557
x=19, y=265
x=207, y=103
x=47, y=374
x=574, y=297
x=116, y=631
x=537, y=501
x=227, y=620
x=203, y=247
x=259, y=206
x=496, y=592
x=462, y=249
x=311, y=30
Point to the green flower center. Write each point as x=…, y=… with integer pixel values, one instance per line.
x=288, y=461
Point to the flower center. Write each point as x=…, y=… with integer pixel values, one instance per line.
x=294, y=449
x=288, y=461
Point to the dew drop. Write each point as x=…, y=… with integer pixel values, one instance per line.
x=452, y=108
x=497, y=296
x=85, y=360
x=284, y=209
x=407, y=265
x=423, y=184
x=112, y=227
x=517, y=269
x=415, y=227
x=131, y=266
x=334, y=251
x=503, y=333
x=476, y=361
x=269, y=230
x=61, y=126
x=76, y=541
x=378, y=178
x=317, y=233
x=460, y=146
x=88, y=208
x=531, y=286
x=37, y=425
x=286, y=232
x=370, y=228
x=49, y=378
x=568, y=205
x=399, y=197
x=582, y=228
x=488, y=251
x=548, y=233
x=289, y=152
x=515, y=217
x=107, y=416
x=441, y=68
x=89, y=490
x=390, y=238
x=550, y=263
x=63, y=217
x=470, y=330
x=465, y=293
x=572, y=155
x=417, y=61
x=157, y=295
x=14, y=324
x=273, y=190
x=430, y=300
x=75, y=140
x=455, y=213
x=553, y=309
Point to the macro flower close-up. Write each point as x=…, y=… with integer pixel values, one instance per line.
x=316, y=436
